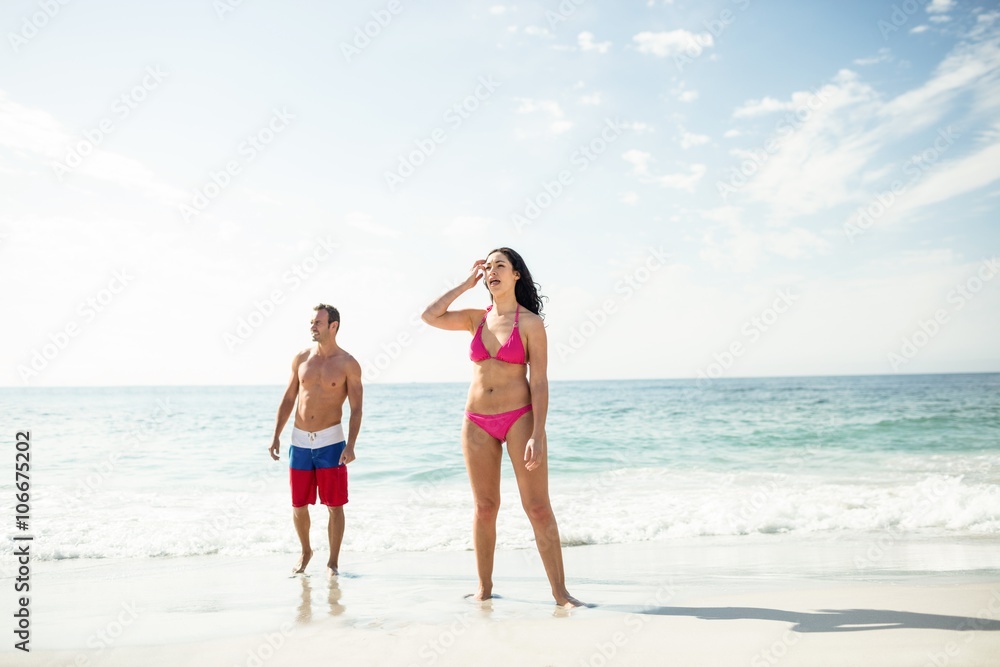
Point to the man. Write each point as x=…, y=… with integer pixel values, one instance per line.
x=322, y=377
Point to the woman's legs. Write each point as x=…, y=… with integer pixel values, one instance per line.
x=482, y=460
x=533, y=486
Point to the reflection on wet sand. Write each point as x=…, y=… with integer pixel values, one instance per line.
x=334, y=597
x=334, y=593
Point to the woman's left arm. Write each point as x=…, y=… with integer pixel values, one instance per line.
x=538, y=359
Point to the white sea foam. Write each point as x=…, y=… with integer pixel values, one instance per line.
x=621, y=506
x=161, y=472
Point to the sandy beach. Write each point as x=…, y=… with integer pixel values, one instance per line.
x=760, y=601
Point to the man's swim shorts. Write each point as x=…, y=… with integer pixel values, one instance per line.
x=314, y=463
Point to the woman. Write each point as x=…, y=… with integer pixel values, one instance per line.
x=506, y=403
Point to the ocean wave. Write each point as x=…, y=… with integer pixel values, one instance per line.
x=623, y=506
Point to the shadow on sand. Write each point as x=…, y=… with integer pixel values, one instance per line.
x=824, y=620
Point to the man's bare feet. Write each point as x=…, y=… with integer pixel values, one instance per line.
x=331, y=570
x=300, y=567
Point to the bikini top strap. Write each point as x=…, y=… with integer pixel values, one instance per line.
x=516, y=314
x=488, y=309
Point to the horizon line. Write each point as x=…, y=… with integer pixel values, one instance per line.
x=664, y=379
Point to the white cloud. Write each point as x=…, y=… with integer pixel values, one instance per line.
x=940, y=6
x=36, y=135
x=741, y=249
x=732, y=134
x=883, y=55
x=557, y=123
x=585, y=40
x=593, y=99
x=497, y=10
x=795, y=243
x=537, y=31
x=729, y=214
x=637, y=127
x=639, y=160
x=631, y=198
x=951, y=179
x=682, y=94
x=916, y=30
x=674, y=42
x=968, y=66
x=767, y=105
x=469, y=226
x=683, y=181
x=363, y=221
x=931, y=257
x=689, y=139
x=821, y=162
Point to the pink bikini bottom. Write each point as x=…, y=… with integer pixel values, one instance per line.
x=497, y=425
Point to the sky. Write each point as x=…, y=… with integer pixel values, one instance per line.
x=703, y=190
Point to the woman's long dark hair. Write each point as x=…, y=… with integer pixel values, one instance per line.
x=525, y=289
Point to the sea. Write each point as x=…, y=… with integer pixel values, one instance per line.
x=152, y=472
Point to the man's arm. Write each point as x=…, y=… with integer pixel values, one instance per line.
x=286, y=407
x=355, y=395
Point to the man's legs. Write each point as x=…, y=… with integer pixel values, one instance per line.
x=300, y=516
x=336, y=531
x=302, y=477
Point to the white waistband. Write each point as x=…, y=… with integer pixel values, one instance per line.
x=314, y=440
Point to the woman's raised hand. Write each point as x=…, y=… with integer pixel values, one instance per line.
x=476, y=274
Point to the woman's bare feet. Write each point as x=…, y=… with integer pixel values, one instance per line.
x=567, y=601
x=300, y=567
x=484, y=593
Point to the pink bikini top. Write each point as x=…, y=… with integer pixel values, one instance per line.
x=511, y=352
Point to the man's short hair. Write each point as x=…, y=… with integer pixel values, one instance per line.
x=333, y=315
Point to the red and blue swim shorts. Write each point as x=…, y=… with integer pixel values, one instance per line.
x=314, y=464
